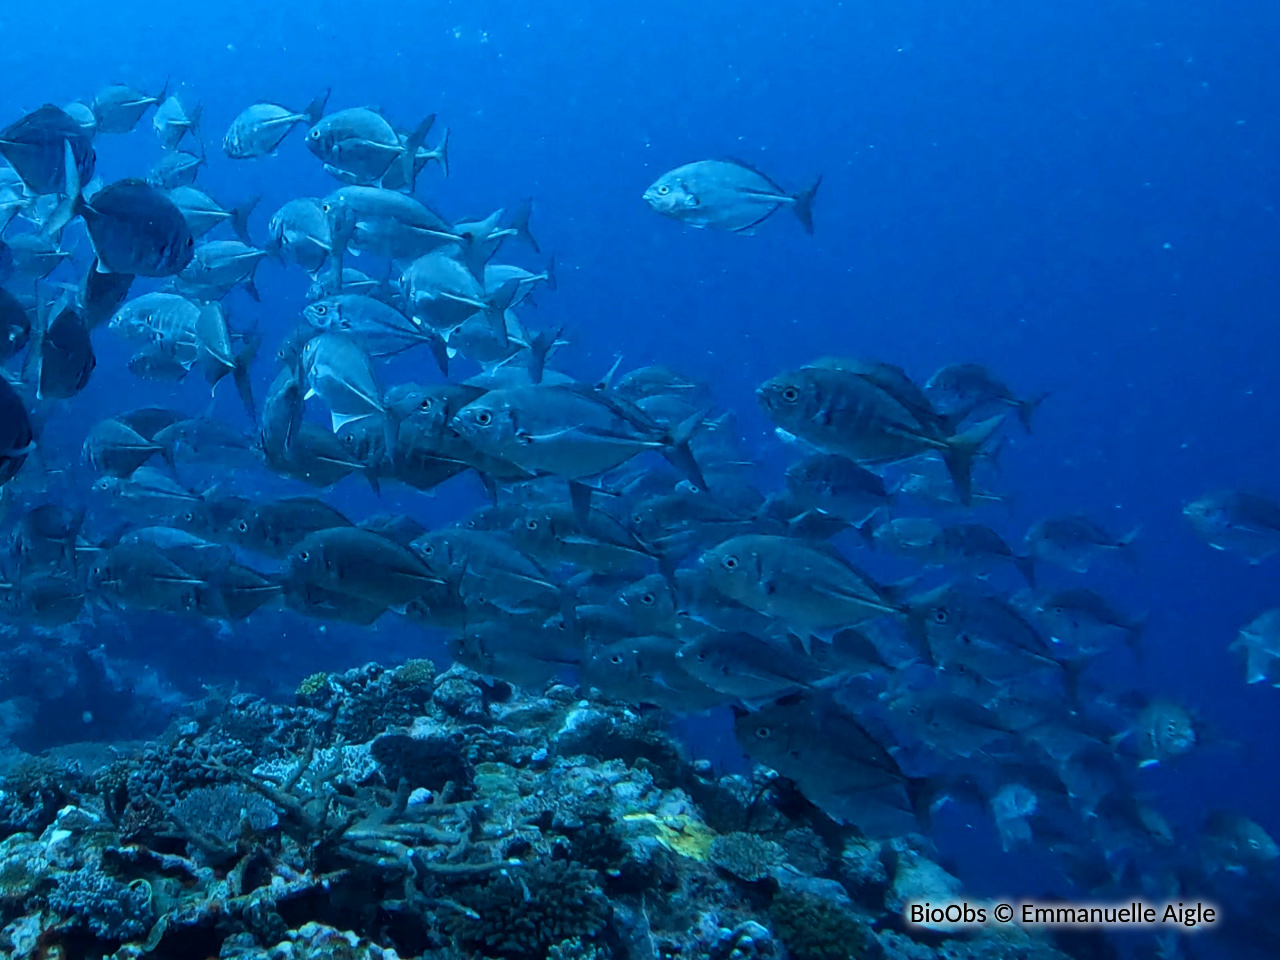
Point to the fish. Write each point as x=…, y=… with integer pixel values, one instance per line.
x=979, y=631
x=1086, y=623
x=964, y=389
x=358, y=145
x=176, y=168
x=116, y=449
x=1075, y=542
x=381, y=329
x=60, y=360
x=101, y=294
x=203, y=213
x=810, y=737
x=38, y=145
x=136, y=229
x=17, y=438
x=217, y=266
x=1232, y=843
x=15, y=325
x=1237, y=521
x=569, y=432
x=172, y=122
x=301, y=234
x=119, y=107
x=840, y=411
x=274, y=527
x=342, y=375
x=258, y=130
x=647, y=670
x=747, y=667
x=361, y=564
x=838, y=486
x=726, y=195
x=1259, y=641
x=813, y=589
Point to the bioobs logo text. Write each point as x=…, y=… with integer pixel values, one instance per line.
x=932, y=914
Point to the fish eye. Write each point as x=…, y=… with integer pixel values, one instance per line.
x=425, y=404
x=648, y=599
x=321, y=309
x=531, y=524
x=764, y=733
x=242, y=526
x=791, y=394
x=940, y=615
x=189, y=517
x=428, y=551
x=663, y=190
x=616, y=659
x=304, y=556
x=730, y=563
x=313, y=134
x=484, y=418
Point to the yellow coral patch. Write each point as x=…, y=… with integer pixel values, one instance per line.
x=681, y=834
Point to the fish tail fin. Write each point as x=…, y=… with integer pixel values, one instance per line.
x=240, y=374
x=551, y=281
x=605, y=382
x=867, y=529
x=960, y=451
x=33, y=365
x=1027, y=567
x=343, y=229
x=413, y=143
x=441, y=153
x=538, y=350
x=69, y=205
x=520, y=224
x=803, y=205
x=678, y=452
x=496, y=310
x=240, y=219
x=1027, y=407
x=250, y=287
x=439, y=350
x=315, y=109
x=163, y=95
x=193, y=125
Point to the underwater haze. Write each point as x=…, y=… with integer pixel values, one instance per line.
x=1079, y=198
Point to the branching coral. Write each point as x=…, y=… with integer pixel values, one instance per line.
x=523, y=915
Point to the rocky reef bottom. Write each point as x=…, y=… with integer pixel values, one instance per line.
x=394, y=813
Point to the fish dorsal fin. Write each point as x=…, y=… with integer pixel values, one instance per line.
x=739, y=162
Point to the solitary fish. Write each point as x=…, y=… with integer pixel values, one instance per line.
x=726, y=195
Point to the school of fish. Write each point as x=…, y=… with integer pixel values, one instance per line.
x=626, y=543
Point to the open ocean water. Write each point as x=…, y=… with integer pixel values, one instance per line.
x=1081, y=198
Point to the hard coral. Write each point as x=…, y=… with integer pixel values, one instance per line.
x=813, y=928
x=522, y=916
x=111, y=910
x=312, y=685
x=414, y=673
x=746, y=855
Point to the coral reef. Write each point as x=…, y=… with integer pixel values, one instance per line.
x=404, y=813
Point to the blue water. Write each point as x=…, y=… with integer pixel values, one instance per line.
x=1080, y=196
